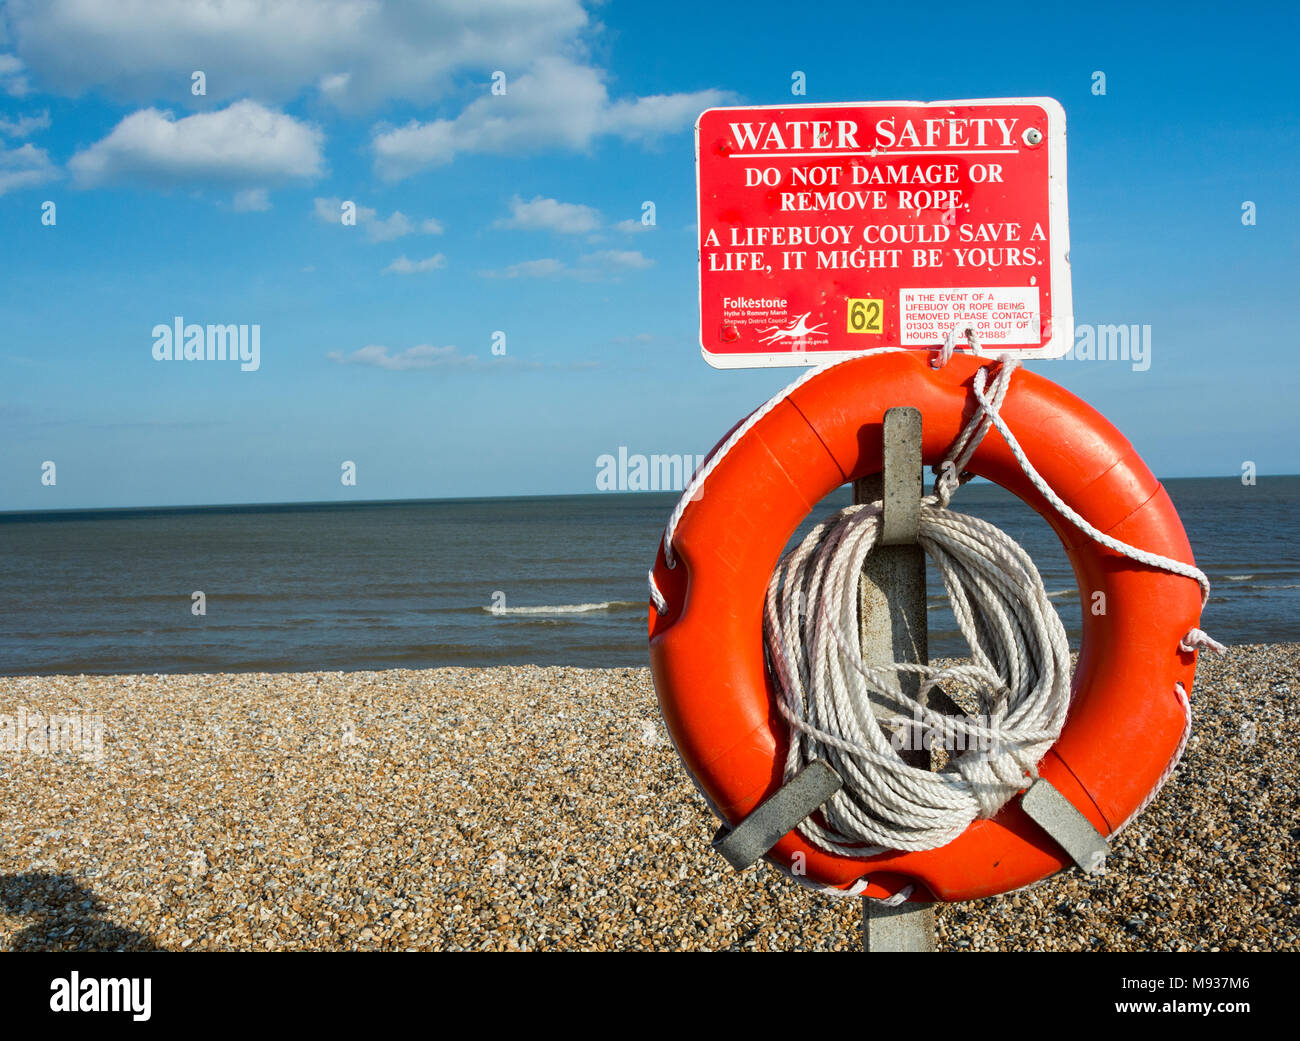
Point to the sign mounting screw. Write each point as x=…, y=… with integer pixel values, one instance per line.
x=1033, y=136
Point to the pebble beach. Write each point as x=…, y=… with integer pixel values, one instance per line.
x=529, y=808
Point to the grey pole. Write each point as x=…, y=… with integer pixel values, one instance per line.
x=892, y=613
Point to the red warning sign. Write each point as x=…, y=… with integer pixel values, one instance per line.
x=827, y=230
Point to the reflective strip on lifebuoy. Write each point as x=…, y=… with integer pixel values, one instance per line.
x=706, y=651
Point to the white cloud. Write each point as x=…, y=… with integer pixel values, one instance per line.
x=642, y=119
x=242, y=143
x=541, y=214
x=427, y=356
x=422, y=356
x=356, y=53
x=544, y=267
x=24, y=167
x=335, y=87
x=631, y=259
x=251, y=200
x=24, y=126
x=403, y=265
x=632, y=226
x=592, y=266
x=12, y=80
x=331, y=211
x=392, y=227
x=558, y=104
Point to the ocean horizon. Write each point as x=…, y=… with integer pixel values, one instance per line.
x=546, y=580
x=278, y=505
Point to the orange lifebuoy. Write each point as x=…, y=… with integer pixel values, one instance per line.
x=1126, y=721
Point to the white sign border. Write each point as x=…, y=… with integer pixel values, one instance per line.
x=1058, y=261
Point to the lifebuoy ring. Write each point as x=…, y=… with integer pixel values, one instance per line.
x=1126, y=720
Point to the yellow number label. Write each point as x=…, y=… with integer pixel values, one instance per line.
x=865, y=316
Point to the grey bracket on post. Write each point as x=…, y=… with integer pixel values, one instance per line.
x=778, y=815
x=1066, y=826
x=902, y=477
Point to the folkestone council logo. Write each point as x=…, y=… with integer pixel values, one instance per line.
x=193, y=342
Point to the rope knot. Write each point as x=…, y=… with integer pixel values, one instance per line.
x=950, y=345
x=946, y=481
x=1198, y=638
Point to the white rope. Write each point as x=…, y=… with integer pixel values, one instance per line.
x=1019, y=673
x=702, y=474
x=950, y=345
x=1198, y=638
x=989, y=410
x=696, y=483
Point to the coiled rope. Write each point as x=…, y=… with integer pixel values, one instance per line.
x=1019, y=673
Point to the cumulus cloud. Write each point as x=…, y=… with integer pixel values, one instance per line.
x=590, y=268
x=541, y=268
x=331, y=211
x=394, y=227
x=12, y=79
x=376, y=229
x=24, y=126
x=642, y=119
x=403, y=265
x=24, y=167
x=355, y=53
x=422, y=356
x=628, y=259
x=558, y=104
x=251, y=200
x=243, y=143
x=541, y=214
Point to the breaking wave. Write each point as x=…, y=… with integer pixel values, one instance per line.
x=604, y=605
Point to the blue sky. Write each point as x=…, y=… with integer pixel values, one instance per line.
x=376, y=340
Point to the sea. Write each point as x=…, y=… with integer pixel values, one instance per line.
x=478, y=582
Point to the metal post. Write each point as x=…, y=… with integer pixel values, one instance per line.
x=892, y=613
